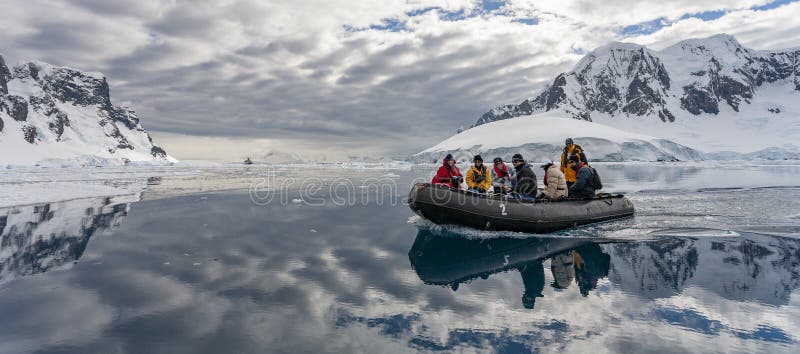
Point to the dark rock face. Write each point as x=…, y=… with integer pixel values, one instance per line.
x=698, y=99
x=5, y=76
x=57, y=125
x=732, y=91
x=640, y=97
x=113, y=131
x=14, y=106
x=125, y=116
x=43, y=105
x=73, y=86
x=774, y=67
x=157, y=151
x=631, y=80
x=24, y=71
x=58, y=119
x=555, y=94
x=1, y=125
x=796, y=57
x=666, y=115
x=29, y=132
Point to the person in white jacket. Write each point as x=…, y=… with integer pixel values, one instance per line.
x=501, y=176
x=555, y=185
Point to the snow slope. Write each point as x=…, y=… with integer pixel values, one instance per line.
x=544, y=136
x=57, y=115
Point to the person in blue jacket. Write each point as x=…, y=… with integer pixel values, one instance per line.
x=582, y=188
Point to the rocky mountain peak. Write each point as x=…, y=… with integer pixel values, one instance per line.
x=59, y=112
x=690, y=78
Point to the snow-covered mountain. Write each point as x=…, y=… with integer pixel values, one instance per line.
x=711, y=94
x=543, y=137
x=58, y=114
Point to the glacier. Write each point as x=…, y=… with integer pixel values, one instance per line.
x=543, y=137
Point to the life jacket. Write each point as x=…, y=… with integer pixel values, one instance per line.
x=575, y=149
x=481, y=171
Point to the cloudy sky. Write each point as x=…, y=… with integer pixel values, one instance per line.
x=229, y=78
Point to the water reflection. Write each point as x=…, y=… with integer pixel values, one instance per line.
x=220, y=274
x=749, y=267
x=37, y=238
x=450, y=260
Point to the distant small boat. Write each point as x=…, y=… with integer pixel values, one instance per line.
x=247, y=161
x=444, y=205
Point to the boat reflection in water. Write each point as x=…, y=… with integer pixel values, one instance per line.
x=450, y=260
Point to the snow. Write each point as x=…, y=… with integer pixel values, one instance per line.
x=752, y=129
x=547, y=128
x=543, y=137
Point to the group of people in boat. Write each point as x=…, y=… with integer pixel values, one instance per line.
x=573, y=178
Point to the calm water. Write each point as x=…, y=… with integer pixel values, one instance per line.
x=710, y=263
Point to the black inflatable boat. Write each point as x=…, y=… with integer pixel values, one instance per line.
x=443, y=205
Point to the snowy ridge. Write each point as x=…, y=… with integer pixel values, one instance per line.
x=711, y=94
x=57, y=115
x=544, y=137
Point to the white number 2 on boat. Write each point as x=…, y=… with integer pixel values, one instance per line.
x=503, y=209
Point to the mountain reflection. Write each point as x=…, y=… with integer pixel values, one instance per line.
x=751, y=267
x=37, y=238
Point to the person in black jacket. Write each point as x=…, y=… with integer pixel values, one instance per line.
x=533, y=280
x=525, y=185
x=583, y=177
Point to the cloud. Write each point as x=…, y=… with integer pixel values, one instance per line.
x=758, y=29
x=391, y=77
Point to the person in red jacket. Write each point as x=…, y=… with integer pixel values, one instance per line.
x=448, y=174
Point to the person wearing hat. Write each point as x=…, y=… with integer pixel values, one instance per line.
x=555, y=185
x=479, y=179
x=448, y=174
x=533, y=281
x=525, y=186
x=582, y=188
x=571, y=149
x=501, y=176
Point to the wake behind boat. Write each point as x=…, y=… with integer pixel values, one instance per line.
x=444, y=205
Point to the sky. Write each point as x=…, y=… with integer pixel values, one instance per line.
x=219, y=80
